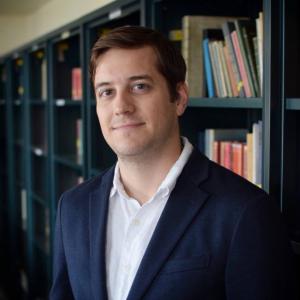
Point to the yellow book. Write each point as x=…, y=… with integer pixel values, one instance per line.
x=250, y=176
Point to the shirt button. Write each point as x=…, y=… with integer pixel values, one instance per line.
x=136, y=222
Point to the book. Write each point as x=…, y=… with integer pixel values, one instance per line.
x=24, y=209
x=79, y=142
x=245, y=30
x=44, y=79
x=175, y=35
x=76, y=84
x=226, y=154
x=257, y=153
x=215, y=68
x=211, y=135
x=237, y=158
x=208, y=36
x=228, y=28
x=231, y=76
x=192, y=29
x=245, y=160
x=224, y=72
x=248, y=35
x=250, y=157
x=259, y=30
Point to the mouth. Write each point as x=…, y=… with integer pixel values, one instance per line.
x=130, y=125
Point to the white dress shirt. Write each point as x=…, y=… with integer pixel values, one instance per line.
x=131, y=225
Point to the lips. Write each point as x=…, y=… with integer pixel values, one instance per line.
x=128, y=125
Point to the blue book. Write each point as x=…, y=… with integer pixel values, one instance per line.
x=208, y=70
x=209, y=35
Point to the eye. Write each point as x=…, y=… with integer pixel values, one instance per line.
x=140, y=87
x=104, y=93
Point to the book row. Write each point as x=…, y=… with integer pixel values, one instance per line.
x=223, y=55
x=235, y=149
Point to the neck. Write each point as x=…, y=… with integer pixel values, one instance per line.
x=142, y=177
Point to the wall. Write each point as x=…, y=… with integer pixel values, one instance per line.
x=17, y=30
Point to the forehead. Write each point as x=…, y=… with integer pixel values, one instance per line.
x=127, y=61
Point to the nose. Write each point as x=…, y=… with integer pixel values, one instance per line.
x=123, y=103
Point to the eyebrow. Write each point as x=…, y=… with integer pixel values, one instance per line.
x=131, y=78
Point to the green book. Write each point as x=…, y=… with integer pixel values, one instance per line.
x=240, y=24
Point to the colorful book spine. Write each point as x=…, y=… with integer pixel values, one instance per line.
x=232, y=81
x=239, y=25
x=76, y=84
x=79, y=142
x=227, y=28
x=241, y=64
x=208, y=70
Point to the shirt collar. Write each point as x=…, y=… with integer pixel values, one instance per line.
x=167, y=184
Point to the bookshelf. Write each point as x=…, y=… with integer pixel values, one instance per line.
x=290, y=126
x=4, y=251
x=52, y=135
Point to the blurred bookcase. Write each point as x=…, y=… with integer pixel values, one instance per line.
x=52, y=139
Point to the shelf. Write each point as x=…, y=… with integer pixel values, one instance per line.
x=69, y=161
x=67, y=102
x=38, y=102
x=246, y=103
x=66, y=34
x=293, y=104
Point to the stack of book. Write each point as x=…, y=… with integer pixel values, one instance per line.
x=235, y=149
x=223, y=56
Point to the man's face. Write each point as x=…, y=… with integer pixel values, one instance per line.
x=134, y=108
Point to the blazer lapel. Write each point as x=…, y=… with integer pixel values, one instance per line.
x=183, y=205
x=98, y=220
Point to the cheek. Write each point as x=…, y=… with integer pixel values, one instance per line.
x=102, y=119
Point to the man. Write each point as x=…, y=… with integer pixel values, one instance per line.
x=164, y=222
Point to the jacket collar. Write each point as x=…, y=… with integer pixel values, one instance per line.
x=98, y=211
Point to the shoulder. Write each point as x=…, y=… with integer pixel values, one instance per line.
x=79, y=194
x=226, y=190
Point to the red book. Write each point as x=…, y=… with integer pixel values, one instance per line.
x=76, y=84
x=225, y=154
x=216, y=152
x=237, y=158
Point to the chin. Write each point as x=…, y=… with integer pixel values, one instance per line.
x=130, y=151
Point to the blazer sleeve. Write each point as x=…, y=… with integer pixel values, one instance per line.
x=260, y=263
x=61, y=288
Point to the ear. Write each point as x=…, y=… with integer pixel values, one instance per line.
x=183, y=98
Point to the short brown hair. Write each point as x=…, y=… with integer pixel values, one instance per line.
x=170, y=62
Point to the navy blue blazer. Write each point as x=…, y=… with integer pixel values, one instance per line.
x=219, y=237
